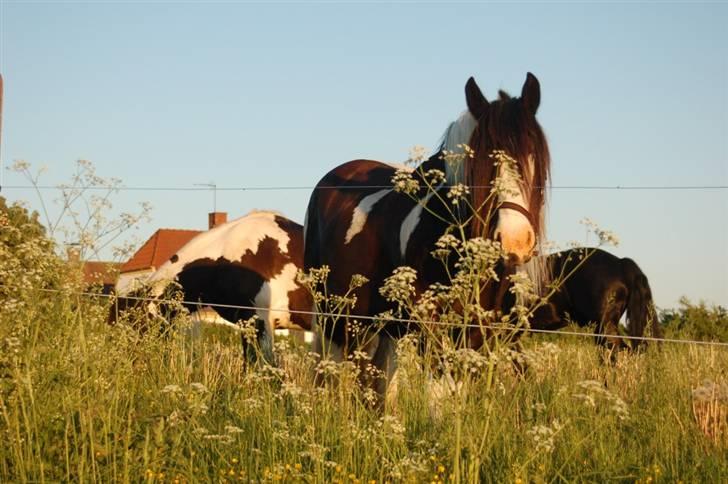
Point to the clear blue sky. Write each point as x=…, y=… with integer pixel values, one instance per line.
x=245, y=94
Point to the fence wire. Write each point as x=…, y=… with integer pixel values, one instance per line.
x=343, y=187
x=392, y=319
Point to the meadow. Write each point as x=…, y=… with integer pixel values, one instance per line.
x=83, y=401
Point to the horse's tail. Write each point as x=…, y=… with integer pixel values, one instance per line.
x=642, y=317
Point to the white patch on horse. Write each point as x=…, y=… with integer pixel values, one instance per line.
x=409, y=224
x=514, y=229
x=458, y=133
x=280, y=286
x=229, y=241
x=305, y=225
x=361, y=212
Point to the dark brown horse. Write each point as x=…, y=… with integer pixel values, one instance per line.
x=355, y=224
x=598, y=288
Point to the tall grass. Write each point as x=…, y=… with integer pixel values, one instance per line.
x=83, y=401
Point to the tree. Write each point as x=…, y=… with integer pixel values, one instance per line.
x=28, y=260
x=696, y=321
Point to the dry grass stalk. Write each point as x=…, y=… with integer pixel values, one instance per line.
x=710, y=409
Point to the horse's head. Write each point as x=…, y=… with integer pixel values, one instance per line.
x=143, y=304
x=508, y=124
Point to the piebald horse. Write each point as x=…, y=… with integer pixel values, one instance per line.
x=250, y=261
x=355, y=225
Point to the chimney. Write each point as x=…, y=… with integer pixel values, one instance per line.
x=73, y=253
x=216, y=218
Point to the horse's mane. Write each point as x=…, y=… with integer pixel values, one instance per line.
x=540, y=271
x=457, y=133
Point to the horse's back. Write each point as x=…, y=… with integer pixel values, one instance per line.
x=352, y=226
x=596, y=287
x=245, y=234
x=340, y=205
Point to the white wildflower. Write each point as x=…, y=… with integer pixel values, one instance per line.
x=172, y=389
x=399, y=286
x=595, y=396
x=434, y=176
x=458, y=192
x=417, y=154
x=232, y=429
x=544, y=436
x=198, y=387
x=404, y=182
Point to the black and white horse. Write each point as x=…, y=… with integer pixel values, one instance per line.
x=251, y=261
x=597, y=288
x=355, y=225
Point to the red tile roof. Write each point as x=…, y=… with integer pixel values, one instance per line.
x=158, y=249
x=95, y=272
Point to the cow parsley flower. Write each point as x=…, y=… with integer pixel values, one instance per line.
x=594, y=395
x=434, y=176
x=508, y=180
x=172, y=389
x=544, y=436
x=417, y=154
x=404, y=182
x=523, y=287
x=445, y=245
x=458, y=192
x=606, y=237
x=399, y=286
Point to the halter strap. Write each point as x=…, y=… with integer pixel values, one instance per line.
x=519, y=209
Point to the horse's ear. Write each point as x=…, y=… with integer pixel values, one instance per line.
x=477, y=104
x=531, y=93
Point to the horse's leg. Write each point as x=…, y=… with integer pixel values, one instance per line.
x=385, y=360
x=324, y=348
x=608, y=331
x=265, y=331
x=250, y=354
x=368, y=371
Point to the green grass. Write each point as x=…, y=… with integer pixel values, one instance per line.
x=85, y=402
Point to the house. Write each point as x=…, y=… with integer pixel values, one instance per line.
x=95, y=274
x=100, y=273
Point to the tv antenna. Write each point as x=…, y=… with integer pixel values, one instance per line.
x=212, y=186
